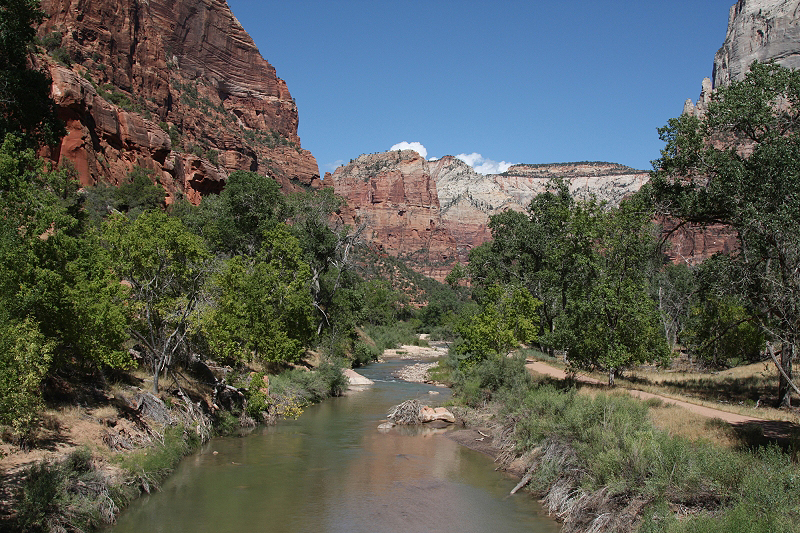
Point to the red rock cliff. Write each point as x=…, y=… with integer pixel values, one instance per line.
x=395, y=196
x=177, y=87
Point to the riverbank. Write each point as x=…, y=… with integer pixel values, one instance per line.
x=598, y=463
x=86, y=463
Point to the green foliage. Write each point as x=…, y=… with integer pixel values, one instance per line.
x=53, y=271
x=25, y=103
x=611, y=320
x=507, y=319
x=139, y=194
x=174, y=137
x=66, y=496
x=606, y=442
x=147, y=467
x=703, y=176
x=133, y=197
x=51, y=41
x=257, y=395
x=25, y=357
x=262, y=305
x=165, y=265
x=475, y=385
x=235, y=221
x=721, y=332
x=310, y=386
x=61, y=55
x=387, y=336
x=364, y=353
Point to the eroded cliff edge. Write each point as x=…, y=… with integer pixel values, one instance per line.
x=175, y=87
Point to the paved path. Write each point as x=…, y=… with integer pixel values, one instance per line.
x=772, y=428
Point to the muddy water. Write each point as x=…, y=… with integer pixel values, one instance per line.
x=332, y=471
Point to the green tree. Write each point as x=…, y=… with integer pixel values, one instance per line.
x=329, y=248
x=25, y=103
x=234, y=222
x=508, y=317
x=165, y=265
x=25, y=357
x=261, y=307
x=610, y=320
x=54, y=271
x=740, y=165
x=542, y=249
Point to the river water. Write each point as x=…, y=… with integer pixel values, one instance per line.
x=331, y=470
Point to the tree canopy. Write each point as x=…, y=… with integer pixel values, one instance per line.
x=740, y=165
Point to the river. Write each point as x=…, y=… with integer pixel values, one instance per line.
x=332, y=471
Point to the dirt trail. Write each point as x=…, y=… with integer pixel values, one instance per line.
x=772, y=428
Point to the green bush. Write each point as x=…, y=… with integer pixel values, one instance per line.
x=66, y=496
x=61, y=55
x=364, y=353
x=52, y=41
x=393, y=335
x=477, y=383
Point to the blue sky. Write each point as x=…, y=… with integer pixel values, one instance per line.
x=513, y=81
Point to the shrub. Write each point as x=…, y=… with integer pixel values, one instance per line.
x=364, y=353
x=66, y=496
x=52, y=41
x=61, y=55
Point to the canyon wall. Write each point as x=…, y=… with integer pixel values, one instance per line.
x=758, y=30
x=176, y=87
x=432, y=213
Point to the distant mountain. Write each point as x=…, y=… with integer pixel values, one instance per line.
x=432, y=213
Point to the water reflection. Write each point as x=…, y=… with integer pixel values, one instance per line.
x=332, y=471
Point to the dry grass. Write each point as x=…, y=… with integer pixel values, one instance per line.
x=679, y=422
x=746, y=390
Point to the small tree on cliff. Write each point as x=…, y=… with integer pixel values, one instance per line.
x=740, y=165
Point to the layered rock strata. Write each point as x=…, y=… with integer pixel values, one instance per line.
x=758, y=30
x=395, y=196
x=432, y=213
x=176, y=87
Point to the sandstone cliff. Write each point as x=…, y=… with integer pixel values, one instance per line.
x=395, y=196
x=432, y=213
x=176, y=87
x=758, y=30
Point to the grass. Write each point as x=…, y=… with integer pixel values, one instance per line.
x=604, y=461
x=736, y=390
x=394, y=335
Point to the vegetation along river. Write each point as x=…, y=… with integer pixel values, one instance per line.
x=331, y=470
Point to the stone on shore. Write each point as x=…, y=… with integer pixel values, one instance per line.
x=356, y=379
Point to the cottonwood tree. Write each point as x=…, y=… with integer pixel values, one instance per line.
x=508, y=317
x=610, y=320
x=261, y=306
x=165, y=265
x=740, y=165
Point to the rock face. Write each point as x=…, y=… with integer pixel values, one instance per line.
x=175, y=87
x=758, y=30
x=432, y=213
x=395, y=196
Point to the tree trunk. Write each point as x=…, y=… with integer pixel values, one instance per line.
x=155, y=379
x=784, y=390
x=611, y=376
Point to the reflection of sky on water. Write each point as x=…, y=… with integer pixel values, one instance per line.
x=332, y=471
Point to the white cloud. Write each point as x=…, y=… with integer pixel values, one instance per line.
x=330, y=167
x=481, y=165
x=417, y=147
